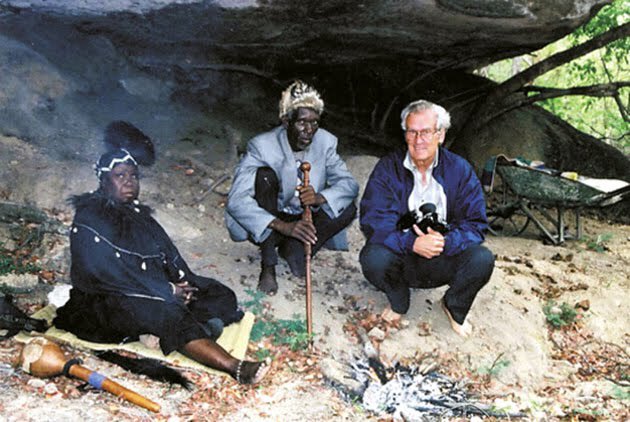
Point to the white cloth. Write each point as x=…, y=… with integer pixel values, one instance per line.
x=59, y=295
x=604, y=185
x=429, y=191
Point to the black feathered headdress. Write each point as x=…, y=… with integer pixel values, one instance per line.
x=125, y=143
x=152, y=368
x=12, y=319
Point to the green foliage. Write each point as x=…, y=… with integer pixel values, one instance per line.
x=599, y=117
x=597, y=244
x=559, y=316
x=290, y=332
x=255, y=304
x=587, y=412
x=620, y=392
x=11, y=264
x=262, y=354
x=615, y=14
x=494, y=369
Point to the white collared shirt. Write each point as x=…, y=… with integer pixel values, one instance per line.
x=429, y=192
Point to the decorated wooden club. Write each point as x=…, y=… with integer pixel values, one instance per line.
x=43, y=358
x=307, y=216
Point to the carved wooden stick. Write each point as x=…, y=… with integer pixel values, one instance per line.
x=307, y=216
x=43, y=358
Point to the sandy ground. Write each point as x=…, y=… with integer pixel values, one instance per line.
x=507, y=315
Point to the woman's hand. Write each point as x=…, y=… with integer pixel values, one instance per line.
x=184, y=291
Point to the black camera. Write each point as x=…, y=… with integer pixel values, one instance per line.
x=425, y=217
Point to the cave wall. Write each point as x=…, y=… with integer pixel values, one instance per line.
x=211, y=72
x=536, y=134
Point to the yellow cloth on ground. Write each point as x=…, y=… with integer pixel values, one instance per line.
x=234, y=339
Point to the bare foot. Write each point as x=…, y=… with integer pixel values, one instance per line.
x=390, y=317
x=267, y=281
x=150, y=341
x=464, y=329
x=248, y=372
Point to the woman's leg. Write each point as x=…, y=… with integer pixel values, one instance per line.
x=211, y=354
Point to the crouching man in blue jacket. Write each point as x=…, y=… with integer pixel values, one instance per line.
x=423, y=214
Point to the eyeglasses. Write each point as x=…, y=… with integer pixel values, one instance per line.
x=422, y=134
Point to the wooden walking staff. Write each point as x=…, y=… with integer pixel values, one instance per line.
x=307, y=216
x=44, y=358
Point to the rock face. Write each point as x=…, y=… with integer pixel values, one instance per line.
x=211, y=71
x=331, y=31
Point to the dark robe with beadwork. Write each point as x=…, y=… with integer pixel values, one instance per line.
x=123, y=264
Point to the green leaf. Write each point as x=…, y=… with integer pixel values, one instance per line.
x=559, y=316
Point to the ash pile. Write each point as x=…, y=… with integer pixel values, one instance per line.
x=409, y=393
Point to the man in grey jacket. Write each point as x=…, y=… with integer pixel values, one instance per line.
x=267, y=198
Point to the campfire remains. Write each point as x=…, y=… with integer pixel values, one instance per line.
x=410, y=393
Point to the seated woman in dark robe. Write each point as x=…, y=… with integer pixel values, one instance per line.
x=129, y=280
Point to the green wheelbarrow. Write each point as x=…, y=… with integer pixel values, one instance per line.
x=521, y=195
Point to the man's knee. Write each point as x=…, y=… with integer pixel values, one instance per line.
x=348, y=215
x=375, y=260
x=481, y=261
x=263, y=172
x=266, y=179
x=382, y=268
x=266, y=189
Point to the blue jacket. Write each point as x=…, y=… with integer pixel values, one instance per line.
x=389, y=186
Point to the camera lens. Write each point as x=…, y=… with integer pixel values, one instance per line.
x=427, y=208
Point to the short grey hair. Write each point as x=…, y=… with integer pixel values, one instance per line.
x=443, y=117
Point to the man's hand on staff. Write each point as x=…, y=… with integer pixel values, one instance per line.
x=428, y=245
x=309, y=198
x=303, y=231
x=185, y=291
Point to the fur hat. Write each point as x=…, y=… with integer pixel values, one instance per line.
x=299, y=94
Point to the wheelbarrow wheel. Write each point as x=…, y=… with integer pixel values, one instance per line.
x=505, y=216
x=512, y=225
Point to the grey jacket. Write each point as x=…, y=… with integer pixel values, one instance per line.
x=329, y=176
